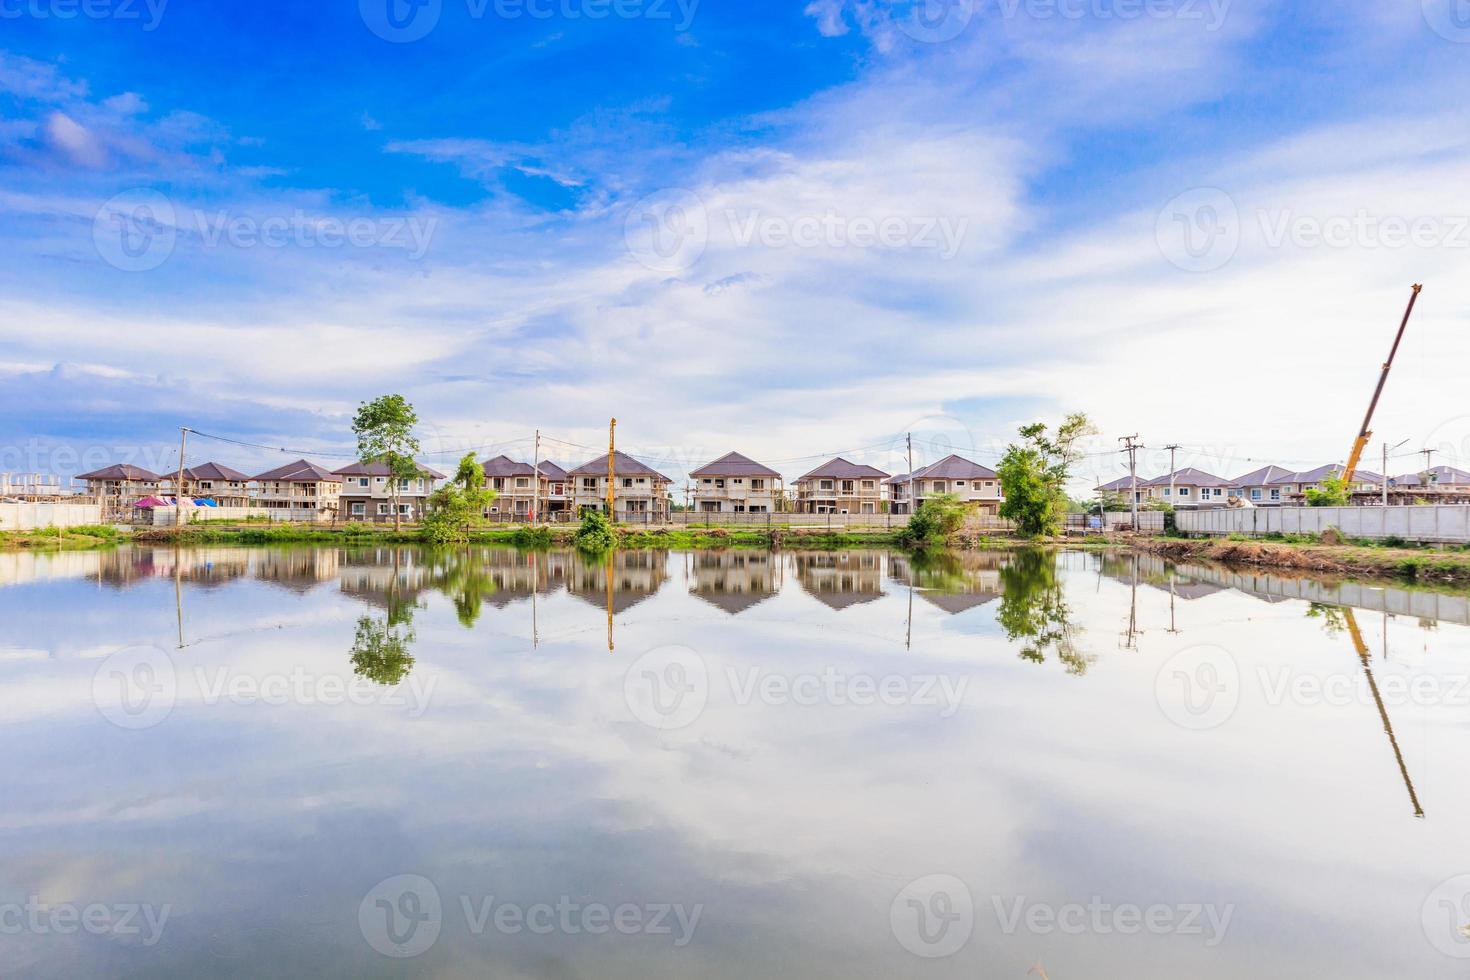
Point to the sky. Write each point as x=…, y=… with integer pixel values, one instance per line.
x=789, y=230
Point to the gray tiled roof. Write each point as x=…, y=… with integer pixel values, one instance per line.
x=1443, y=475
x=842, y=469
x=301, y=471
x=214, y=471
x=381, y=469
x=1190, y=477
x=623, y=465
x=121, y=471
x=734, y=464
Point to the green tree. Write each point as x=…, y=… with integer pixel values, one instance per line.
x=935, y=522
x=1332, y=493
x=459, y=505
x=1034, y=474
x=384, y=429
x=596, y=533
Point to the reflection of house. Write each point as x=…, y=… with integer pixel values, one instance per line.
x=841, y=487
x=976, y=486
x=515, y=487
x=367, y=492
x=388, y=578
x=298, y=569
x=842, y=578
x=735, y=580
x=632, y=575
x=952, y=582
x=639, y=492
x=300, y=491
x=736, y=484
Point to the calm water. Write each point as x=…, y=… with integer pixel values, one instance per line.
x=313, y=762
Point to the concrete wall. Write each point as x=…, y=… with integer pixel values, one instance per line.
x=164, y=516
x=1449, y=523
x=21, y=516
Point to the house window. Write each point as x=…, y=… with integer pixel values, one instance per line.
x=757, y=484
x=1275, y=494
x=404, y=484
x=707, y=480
x=1183, y=492
x=589, y=483
x=847, y=486
x=1256, y=494
x=718, y=483
x=959, y=483
x=359, y=509
x=384, y=509
x=1167, y=491
x=868, y=484
x=382, y=480
x=627, y=483
x=1217, y=492
x=826, y=484
x=405, y=509
x=362, y=481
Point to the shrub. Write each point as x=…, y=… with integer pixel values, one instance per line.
x=595, y=535
x=935, y=522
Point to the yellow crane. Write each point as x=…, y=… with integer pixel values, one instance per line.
x=1366, y=432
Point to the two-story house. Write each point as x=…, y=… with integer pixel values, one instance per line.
x=368, y=492
x=516, y=493
x=225, y=486
x=1293, y=486
x=1260, y=488
x=121, y=482
x=1439, y=478
x=840, y=486
x=736, y=484
x=1122, y=490
x=640, y=493
x=976, y=486
x=1191, y=487
x=299, y=491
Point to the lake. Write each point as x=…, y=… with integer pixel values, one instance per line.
x=390, y=762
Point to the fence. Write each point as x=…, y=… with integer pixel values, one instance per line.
x=27, y=516
x=1440, y=523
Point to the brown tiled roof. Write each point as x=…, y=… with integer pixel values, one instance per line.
x=734, y=464
x=503, y=465
x=623, y=465
x=122, y=471
x=301, y=471
x=955, y=467
x=381, y=469
x=1124, y=483
x=842, y=469
x=214, y=471
x=550, y=471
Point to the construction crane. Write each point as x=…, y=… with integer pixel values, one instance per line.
x=1366, y=432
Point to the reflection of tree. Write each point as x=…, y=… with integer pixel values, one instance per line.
x=1333, y=620
x=380, y=648
x=466, y=579
x=1033, y=609
x=938, y=571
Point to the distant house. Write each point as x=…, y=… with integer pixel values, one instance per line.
x=226, y=487
x=299, y=491
x=736, y=484
x=1190, y=487
x=639, y=491
x=840, y=486
x=1119, y=489
x=122, y=482
x=1440, y=478
x=367, y=492
x=514, y=484
x=1297, y=484
x=975, y=485
x=1260, y=487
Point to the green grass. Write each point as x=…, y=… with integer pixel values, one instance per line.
x=78, y=538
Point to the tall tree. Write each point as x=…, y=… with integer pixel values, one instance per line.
x=384, y=428
x=1034, y=474
x=459, y=505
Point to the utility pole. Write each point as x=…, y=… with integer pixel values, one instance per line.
x=1385, y=474
x=536, y=479
x=1428, y=463
x=1131, y=447
x=913, y=503
x=611, y=471
x=179, y=486
x=1171, y=449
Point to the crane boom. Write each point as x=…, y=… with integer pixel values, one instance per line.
x=1366, y=432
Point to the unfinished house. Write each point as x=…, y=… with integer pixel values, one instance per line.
x=117, y=488
x=976, y=486
x=736, y=484
x=299, y=491
x=226, y=487
x=367, y=492
x=516, y=491
x=839, y=486
x=640, y=493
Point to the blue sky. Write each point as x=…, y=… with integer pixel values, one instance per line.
x=787, y=229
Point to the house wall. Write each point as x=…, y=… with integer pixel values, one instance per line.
x=646, y=493
x=813, y=497
x=711, y=497
x=1437, y=523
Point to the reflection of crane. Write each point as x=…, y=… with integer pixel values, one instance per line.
x=1362, y=647
x=1366, y=432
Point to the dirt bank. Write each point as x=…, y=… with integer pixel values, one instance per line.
x=1412, y=564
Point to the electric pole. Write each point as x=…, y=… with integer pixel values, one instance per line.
x=913, y=502
x=1385, y=474
x=1428, y=464
x=611, y=471
x=536, y=479
x=1171, y=449
x=179, y=487
x=1131, y=447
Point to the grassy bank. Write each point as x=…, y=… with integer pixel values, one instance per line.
x=1354, y=559
x=68, y=539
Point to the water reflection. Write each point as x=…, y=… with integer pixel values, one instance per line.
x=1034, y=611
